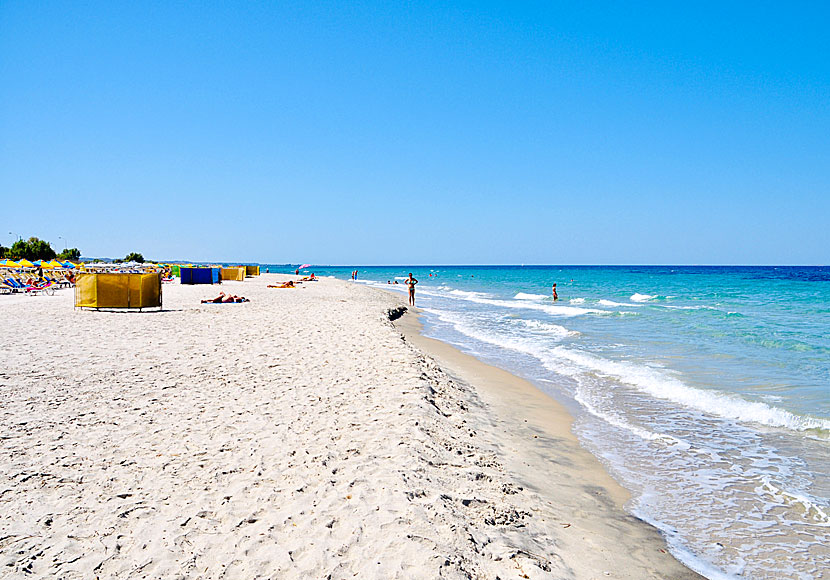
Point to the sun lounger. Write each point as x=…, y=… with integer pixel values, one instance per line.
x=47, y=289
x=7, y=288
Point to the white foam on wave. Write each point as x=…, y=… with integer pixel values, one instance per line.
x=554, y=309
x=532, y=347
x=660, y=384
x=466, y=294
x=524, y=296
x=577, y=301
x=673, y=307
x=548, y=328
x=534, y=303
x=813, y=512
x=679, y=550
x=612, y=303
x=637, y=297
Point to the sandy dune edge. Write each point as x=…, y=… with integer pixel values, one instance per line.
x=295, y=436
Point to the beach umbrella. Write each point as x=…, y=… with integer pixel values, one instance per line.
x=9, y=264
x=305, y=266
x=53, y=264
x=26, y=263
x=68, y=264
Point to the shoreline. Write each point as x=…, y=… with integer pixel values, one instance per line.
x=544, y=455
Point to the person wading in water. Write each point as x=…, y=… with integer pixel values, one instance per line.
x=411, y=283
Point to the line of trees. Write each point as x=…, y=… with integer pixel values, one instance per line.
x=37, y=249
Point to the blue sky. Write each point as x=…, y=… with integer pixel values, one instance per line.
x=419, y=133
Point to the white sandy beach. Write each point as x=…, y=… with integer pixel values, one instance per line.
x=300, y=435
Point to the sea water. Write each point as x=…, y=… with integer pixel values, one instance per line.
x=704, y=390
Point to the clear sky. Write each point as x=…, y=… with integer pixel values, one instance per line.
x=418, y=132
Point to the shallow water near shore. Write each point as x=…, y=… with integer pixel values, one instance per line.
x=704, y=390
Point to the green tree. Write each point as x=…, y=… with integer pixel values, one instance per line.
x=32, y=249
x=4, y=252
x=134, y=257
x=73, y=254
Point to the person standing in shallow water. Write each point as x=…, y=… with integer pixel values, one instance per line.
x=555, y=295
x=411, y=283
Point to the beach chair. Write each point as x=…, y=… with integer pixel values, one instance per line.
x=15, y=283
x=47, y=289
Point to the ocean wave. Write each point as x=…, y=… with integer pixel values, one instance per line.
x=637, y=297
x=523, y=296
x=612, y=303
x=673, y=307
x=654, y=382
x=554, y=309
x=548, y=328
x=466, y=294
x=577, y=301
x=661, y=385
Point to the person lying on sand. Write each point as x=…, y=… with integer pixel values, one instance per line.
x=219, y=298
x=225, y=298
x=311, y=278
x=288, y=284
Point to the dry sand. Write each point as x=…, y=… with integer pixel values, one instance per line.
x=296, y=436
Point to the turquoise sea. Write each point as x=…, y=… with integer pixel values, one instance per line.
x=704, y=390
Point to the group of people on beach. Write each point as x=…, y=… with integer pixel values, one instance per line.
x=410, y=282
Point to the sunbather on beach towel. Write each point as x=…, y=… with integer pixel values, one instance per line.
x=289, y=284
x=225, y=298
